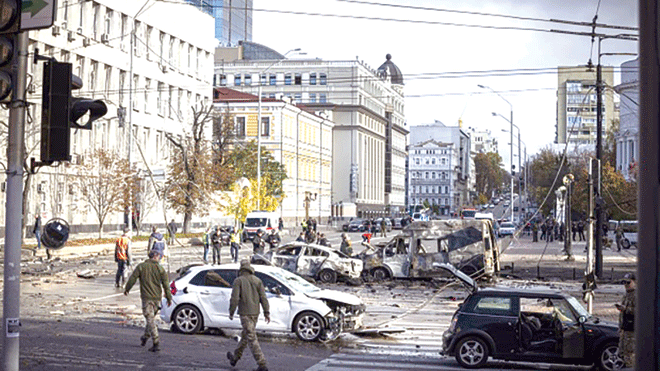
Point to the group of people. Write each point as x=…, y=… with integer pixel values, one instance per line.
x=371, y=228
x=213, y=241
x=552, y=230
x=261, y=239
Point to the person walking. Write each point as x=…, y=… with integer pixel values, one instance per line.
x=383, y=228
x=234, y=246
x=122, y=257
x=574, y=229
x=246, y=295
x=544, y=229
x=171, y=231
x=280, y=224
x=153, y=282
x=207, y=243
x=216, y=242
x=580, y=227
x=346, y=245
x=258, y=244
x=535, y=232
x=301, y=237
x=627, y=321
x=37, y=231
x=323, y=241
x=618, y=234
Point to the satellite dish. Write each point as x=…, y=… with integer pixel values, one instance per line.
x=55, y=234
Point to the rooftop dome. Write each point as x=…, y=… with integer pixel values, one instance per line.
x=390, y=69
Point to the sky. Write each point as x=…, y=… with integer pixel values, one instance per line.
x=443, y=61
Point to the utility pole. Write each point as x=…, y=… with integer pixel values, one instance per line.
x=599, y=156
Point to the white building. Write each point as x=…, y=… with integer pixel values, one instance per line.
x=431, y=176
x=299, y=139
x=369, y=136
x=627, y=138
x=149, y=84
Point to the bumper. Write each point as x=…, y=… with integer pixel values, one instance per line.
x=446, y=343
x=165, y=311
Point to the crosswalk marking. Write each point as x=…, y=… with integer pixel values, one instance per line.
x=384, y=362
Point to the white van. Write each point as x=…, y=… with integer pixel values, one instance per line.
x=256, y=220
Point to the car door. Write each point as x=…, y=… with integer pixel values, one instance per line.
x=573, y=336
x=311, y=261
x=498, y=316
x=214, y=295
x=287, y=257
x=396, y=256
x=279, y=301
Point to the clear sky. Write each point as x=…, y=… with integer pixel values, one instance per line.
x=443, y=61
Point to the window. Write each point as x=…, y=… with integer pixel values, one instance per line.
x=312, y=98
x=148, y=41
x=248, y=79
x=312, y=78
x=122, y=86
x=237, y=79
x=297, y=97
x=433, y=161
x=322, y=98
x=298, y=79
x=159, y=100
x=95, y=21
x=323, y=79
x=265, y=126
x=263, y=79
x=93, y=76
x=494, y=305
x=161, y=45
x=170, y=109
x=433, y=175
x=136, y=81
x=287, y=79
x=147, y=87
x=416, y=160
x=273, y=79
x=240, y=127
x=426, y=175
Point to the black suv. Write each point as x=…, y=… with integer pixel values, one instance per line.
x=527, y=325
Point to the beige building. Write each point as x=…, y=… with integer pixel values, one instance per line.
x=576, y=104
x=149, y=85
x=298, y=138
x=367, y=104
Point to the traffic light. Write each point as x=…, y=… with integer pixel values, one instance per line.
x=61, y=112
x=10, y=24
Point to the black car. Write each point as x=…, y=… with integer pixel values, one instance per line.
x=526, y=325
x=355, y=225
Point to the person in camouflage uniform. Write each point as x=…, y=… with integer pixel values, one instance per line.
x=627, y=322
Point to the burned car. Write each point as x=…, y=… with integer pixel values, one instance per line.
x=312, y=260
x=469, y=245
x=201, y=294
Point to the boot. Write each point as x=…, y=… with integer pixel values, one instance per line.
x=261, y=368
x=143, y=340
x=232, y=359
x=155, y=348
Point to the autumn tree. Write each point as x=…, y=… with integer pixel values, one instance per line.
x=243, y=161
x=103, y=181
x=242, y=199
x=543, y=177
x=489, y=173
x=192, y=172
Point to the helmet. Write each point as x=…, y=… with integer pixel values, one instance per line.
x=344, y=235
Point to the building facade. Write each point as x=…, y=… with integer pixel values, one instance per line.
x=576, y=104
x=367, y=105
x=431, y=177
x=298, y=138
x=627, y=137
x=149, y=83
x=461, y=161
x=233, y=21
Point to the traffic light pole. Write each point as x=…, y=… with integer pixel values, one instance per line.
x=598, y=232
x=14, y=213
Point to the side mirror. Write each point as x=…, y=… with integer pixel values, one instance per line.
x=275, y=291
x=582, y=319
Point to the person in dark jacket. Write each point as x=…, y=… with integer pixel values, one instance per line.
x=216, y=242
x=246, y=295
x=171, y=231
x=627, y=321
x=258, y=243
x=156, y=242
x=153, y=282
x=37, y=230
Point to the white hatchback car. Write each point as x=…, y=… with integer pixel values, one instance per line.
x=200, y=299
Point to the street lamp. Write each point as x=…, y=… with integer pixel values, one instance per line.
x=510, y=122
x=259, y=126
x=520, y=161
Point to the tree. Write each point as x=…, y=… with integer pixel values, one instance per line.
x=192, y=174
x=103, y=181
x=243, y=161
x=489, y=173
x=242, y=199
x=542, y=174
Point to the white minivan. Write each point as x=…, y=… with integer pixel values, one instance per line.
x=256, y=220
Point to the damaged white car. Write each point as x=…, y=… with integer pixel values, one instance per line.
x=315, y=261
x=200, y=299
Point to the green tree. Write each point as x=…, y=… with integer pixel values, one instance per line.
x=489, y=173
x=242, y=199
x=243, y=162
x=542, y=173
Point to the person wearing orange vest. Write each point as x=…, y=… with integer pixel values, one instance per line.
x=122, y=256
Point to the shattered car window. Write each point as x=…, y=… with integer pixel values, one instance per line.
x=295, y=281
x=462, y=238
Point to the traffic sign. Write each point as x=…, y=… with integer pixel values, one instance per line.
x=37, y=14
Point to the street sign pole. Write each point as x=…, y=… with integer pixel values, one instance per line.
x=14, y=213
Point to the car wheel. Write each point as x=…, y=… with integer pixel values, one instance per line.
x=625, y=243
x=472, y=352
x=328, y=276
x=380, y=274
x=187, y=320
x=308, y=326
x=608, y=358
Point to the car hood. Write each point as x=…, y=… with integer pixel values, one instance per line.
x=341, y=297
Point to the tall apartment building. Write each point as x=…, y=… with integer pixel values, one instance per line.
x=576, y=104
x=298, y=138
x=460, y=161
x=431, y=178
x=233, y=21
x=369, y=136
x=149, y=83
x=627, y=137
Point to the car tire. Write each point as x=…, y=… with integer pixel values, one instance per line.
x=471, y=352
x=308, y=326
x=625, y=243
x=380, y=274
x=328, y=276
x=608, y=357
x=187, y=320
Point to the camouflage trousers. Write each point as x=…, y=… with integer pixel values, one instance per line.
x=627, y=348
x=249, y=338
x=149, y=310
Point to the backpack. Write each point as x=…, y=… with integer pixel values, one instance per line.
x=159, y=245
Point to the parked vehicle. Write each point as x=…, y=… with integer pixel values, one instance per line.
x=200, y=299
x=388, y=224
x=469, y=245
x=530, y=325
x=311, y=260
x=396, y=223
x=630, y=229
x=355, y=225
x=256, y=220
x=507, y=229
x=468, y=213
